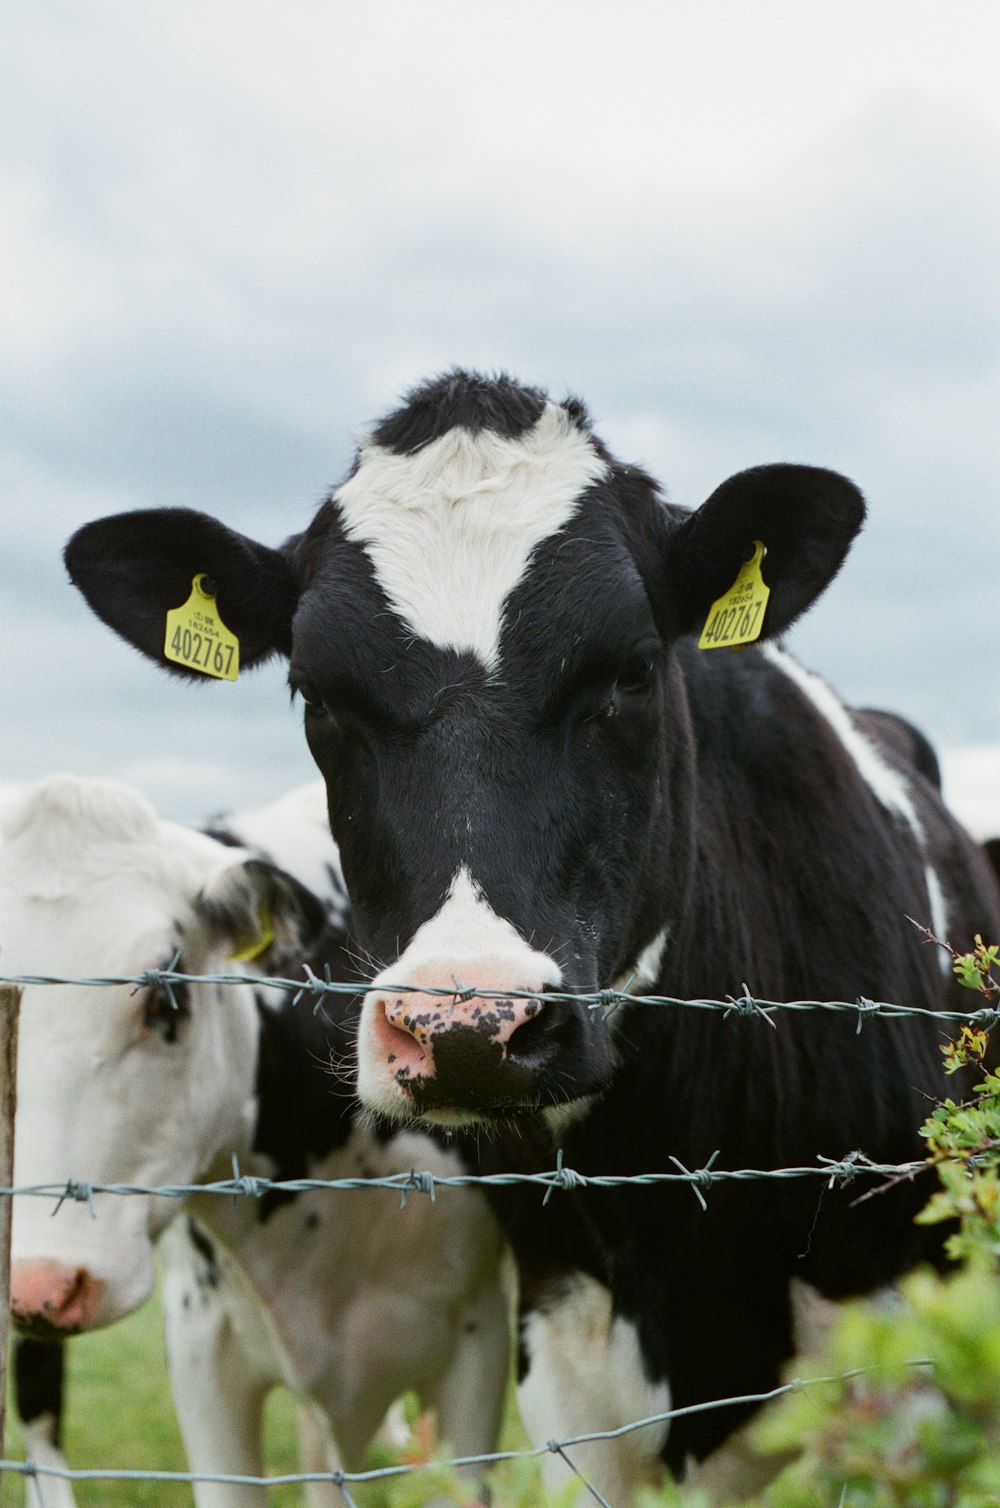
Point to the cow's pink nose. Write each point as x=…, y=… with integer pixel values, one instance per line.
x=51, y=1298
x=407, y=1024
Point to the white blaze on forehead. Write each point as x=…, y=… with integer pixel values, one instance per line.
x=467, y=931
x=450, y=529
x=886, y=784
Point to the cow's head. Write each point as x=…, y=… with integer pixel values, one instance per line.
x=121, y=1084
x=488, y=623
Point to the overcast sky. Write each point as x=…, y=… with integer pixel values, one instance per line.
x=741, y=230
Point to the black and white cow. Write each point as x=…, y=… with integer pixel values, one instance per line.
x=344, y=1298
x=539, y=782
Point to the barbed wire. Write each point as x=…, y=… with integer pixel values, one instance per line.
x=606, y=1000
x=340, y=1478
x=836, y=1172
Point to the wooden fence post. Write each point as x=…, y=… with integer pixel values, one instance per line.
x=10, y=1001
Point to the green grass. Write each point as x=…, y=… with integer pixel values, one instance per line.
x=119, y=1415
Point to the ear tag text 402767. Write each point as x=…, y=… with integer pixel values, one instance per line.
x=737, y=617
x=197, y=638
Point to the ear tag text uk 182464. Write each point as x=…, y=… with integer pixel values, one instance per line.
x=737, y=617
x=197, y=637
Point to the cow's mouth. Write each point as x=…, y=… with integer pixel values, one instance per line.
x=38, y=1327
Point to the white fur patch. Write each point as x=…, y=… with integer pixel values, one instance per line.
x=886, y=784
x=465, y=931
x=646, y=969
x=586, y=1373
x=939, y=915
x=450, y=529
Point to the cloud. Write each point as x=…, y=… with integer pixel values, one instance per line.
x=234, y=234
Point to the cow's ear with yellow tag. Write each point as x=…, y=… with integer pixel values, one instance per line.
x=162, y=577
x=737, y=617
x=258, y=913
x=755, y=555
x=196, y=636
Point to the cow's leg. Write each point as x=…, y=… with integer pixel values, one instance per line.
x=469, y=1397
x=39, y=1368
x=585, y=1374
x=317, y=1452
x=222, y=1361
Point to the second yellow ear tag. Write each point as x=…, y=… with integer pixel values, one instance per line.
x=197, y=637
x=252, y=945
x=737, y=617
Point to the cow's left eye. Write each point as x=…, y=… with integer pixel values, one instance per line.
x=315, y=705
x=164, y=1010
x=636, y=677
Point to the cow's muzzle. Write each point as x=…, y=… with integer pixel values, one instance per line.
x=479, y=1054
x=50, y=1301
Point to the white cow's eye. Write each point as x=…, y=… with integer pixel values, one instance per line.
x=165, y=1008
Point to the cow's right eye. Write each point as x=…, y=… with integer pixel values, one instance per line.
x=310, y=696
x=165, y=1010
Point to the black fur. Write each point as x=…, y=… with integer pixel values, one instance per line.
x=304, y=1106
x=458, y=401
x=38, y=1381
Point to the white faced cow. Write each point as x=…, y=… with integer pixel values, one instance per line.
x=538, y=781
x=345, y=1298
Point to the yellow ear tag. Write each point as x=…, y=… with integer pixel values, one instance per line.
x=737, y=617
x=197, y=637
x=253, y=944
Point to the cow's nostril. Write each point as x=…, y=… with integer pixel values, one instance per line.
x=529, y=1043
x=404, y=1053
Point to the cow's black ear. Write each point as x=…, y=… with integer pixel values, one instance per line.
x=134, y=567
x=806, y=519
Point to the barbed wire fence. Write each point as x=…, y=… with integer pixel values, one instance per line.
x=837, y=1171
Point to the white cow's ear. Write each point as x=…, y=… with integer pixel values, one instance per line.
x=805, y=517
x=262, y=913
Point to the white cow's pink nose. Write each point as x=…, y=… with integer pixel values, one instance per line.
x=407, y=1025
x=51, y=1297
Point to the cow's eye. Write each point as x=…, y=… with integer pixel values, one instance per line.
x=637, y=676
x=310, y=696
x=315, y=705
x=164, y=1010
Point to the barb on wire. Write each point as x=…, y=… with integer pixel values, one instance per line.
x=415, y=1182
x=866, y=1008
x=79, y=1193
x=746, y=1005
x=563, y=1178
x=702, y=1179
x=168, y=977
